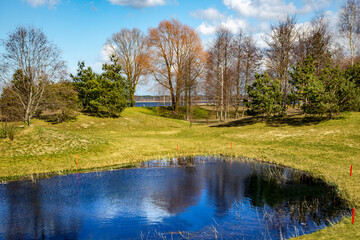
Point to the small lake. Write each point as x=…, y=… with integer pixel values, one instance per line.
x=152, y=104
x=184, y=198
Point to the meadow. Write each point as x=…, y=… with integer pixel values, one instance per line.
x=325, y=148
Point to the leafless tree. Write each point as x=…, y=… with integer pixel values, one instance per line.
x=130, y=47
x=280, y=53
x=239, y=58
x=247, y=62
x=28, y=63
x=349, y=25
x=192, y=70
x=219, y=70
x=172, y=44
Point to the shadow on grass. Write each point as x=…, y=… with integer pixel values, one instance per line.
x=295, y=120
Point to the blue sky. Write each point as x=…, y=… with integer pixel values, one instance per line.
x=80, y=28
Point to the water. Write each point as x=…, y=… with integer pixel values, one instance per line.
x=168, y=104
x=194, y=198
x=152, y=104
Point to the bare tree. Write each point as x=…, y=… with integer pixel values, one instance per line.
x=280, y=53
x=28, y=63
x=247, y=62
x=192, y=69
x=130, y=47
x=171, y=44
x=239, y=57
x=349, y=25
x=219, y=70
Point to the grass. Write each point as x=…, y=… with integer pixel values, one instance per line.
x=325, y=148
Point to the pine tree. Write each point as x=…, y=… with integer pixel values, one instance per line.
x=265, y=96
x=103, y=95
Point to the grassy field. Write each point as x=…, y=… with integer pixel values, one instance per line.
x=324, y=148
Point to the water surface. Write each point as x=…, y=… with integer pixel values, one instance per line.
x=192, y=198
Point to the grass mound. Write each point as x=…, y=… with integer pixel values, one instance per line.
x=325, y=148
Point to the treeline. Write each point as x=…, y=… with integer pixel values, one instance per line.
x=302, y=66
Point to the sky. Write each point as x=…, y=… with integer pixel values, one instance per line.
x=80, y=28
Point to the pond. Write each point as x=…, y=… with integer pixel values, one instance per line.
x=181, y=198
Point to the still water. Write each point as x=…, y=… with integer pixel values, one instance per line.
x=152, y=104
x=189, y=198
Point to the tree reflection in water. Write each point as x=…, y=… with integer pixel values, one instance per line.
x=196, y=197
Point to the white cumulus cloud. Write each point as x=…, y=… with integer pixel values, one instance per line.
x=210, y=14
x=206, y=29
x=262, y=9
x=138, y=3
x=232, y=23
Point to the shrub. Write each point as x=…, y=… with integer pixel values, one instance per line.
x=7, y=130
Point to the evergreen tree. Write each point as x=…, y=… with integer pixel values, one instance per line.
x=330, y=92
x=353, y=74
x=103, y=95
x=265, y=96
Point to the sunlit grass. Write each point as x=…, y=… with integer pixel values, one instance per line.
x=326, y=149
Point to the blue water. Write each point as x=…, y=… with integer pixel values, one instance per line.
x=195, y=198
x=152, y=104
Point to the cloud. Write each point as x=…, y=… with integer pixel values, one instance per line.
x=138, y=3
x=51, y=3
x=206, y=29
x=262, y=9
x=272, y=9
x=233, y=24
x=210, y=14
x=313, y=5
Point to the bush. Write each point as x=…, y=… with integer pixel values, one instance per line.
x=3, y=133
x=60, y=103
x=7, y=130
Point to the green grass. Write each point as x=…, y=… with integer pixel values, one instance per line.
x=324, y=148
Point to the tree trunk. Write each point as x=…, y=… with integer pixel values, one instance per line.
x=132, y=98
x=222, y=95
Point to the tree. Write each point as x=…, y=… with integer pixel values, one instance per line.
x=171, y=44
x=103, y=95
x=11, y=109
x=61, y=101
x=349, y=25
x=340, y=93
x=280, y=52
x=239, y=57
x=192, y=69
x=329, y=92
x=130, y=48
x=265, y=96
x=320, y=43
x=303, y=74
x=219, y=70
x=353, y=74
x=247, y=62
x=28, y=63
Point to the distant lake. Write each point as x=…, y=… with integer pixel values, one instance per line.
x=152, y=104
x=184, y=198
x=167, y=104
